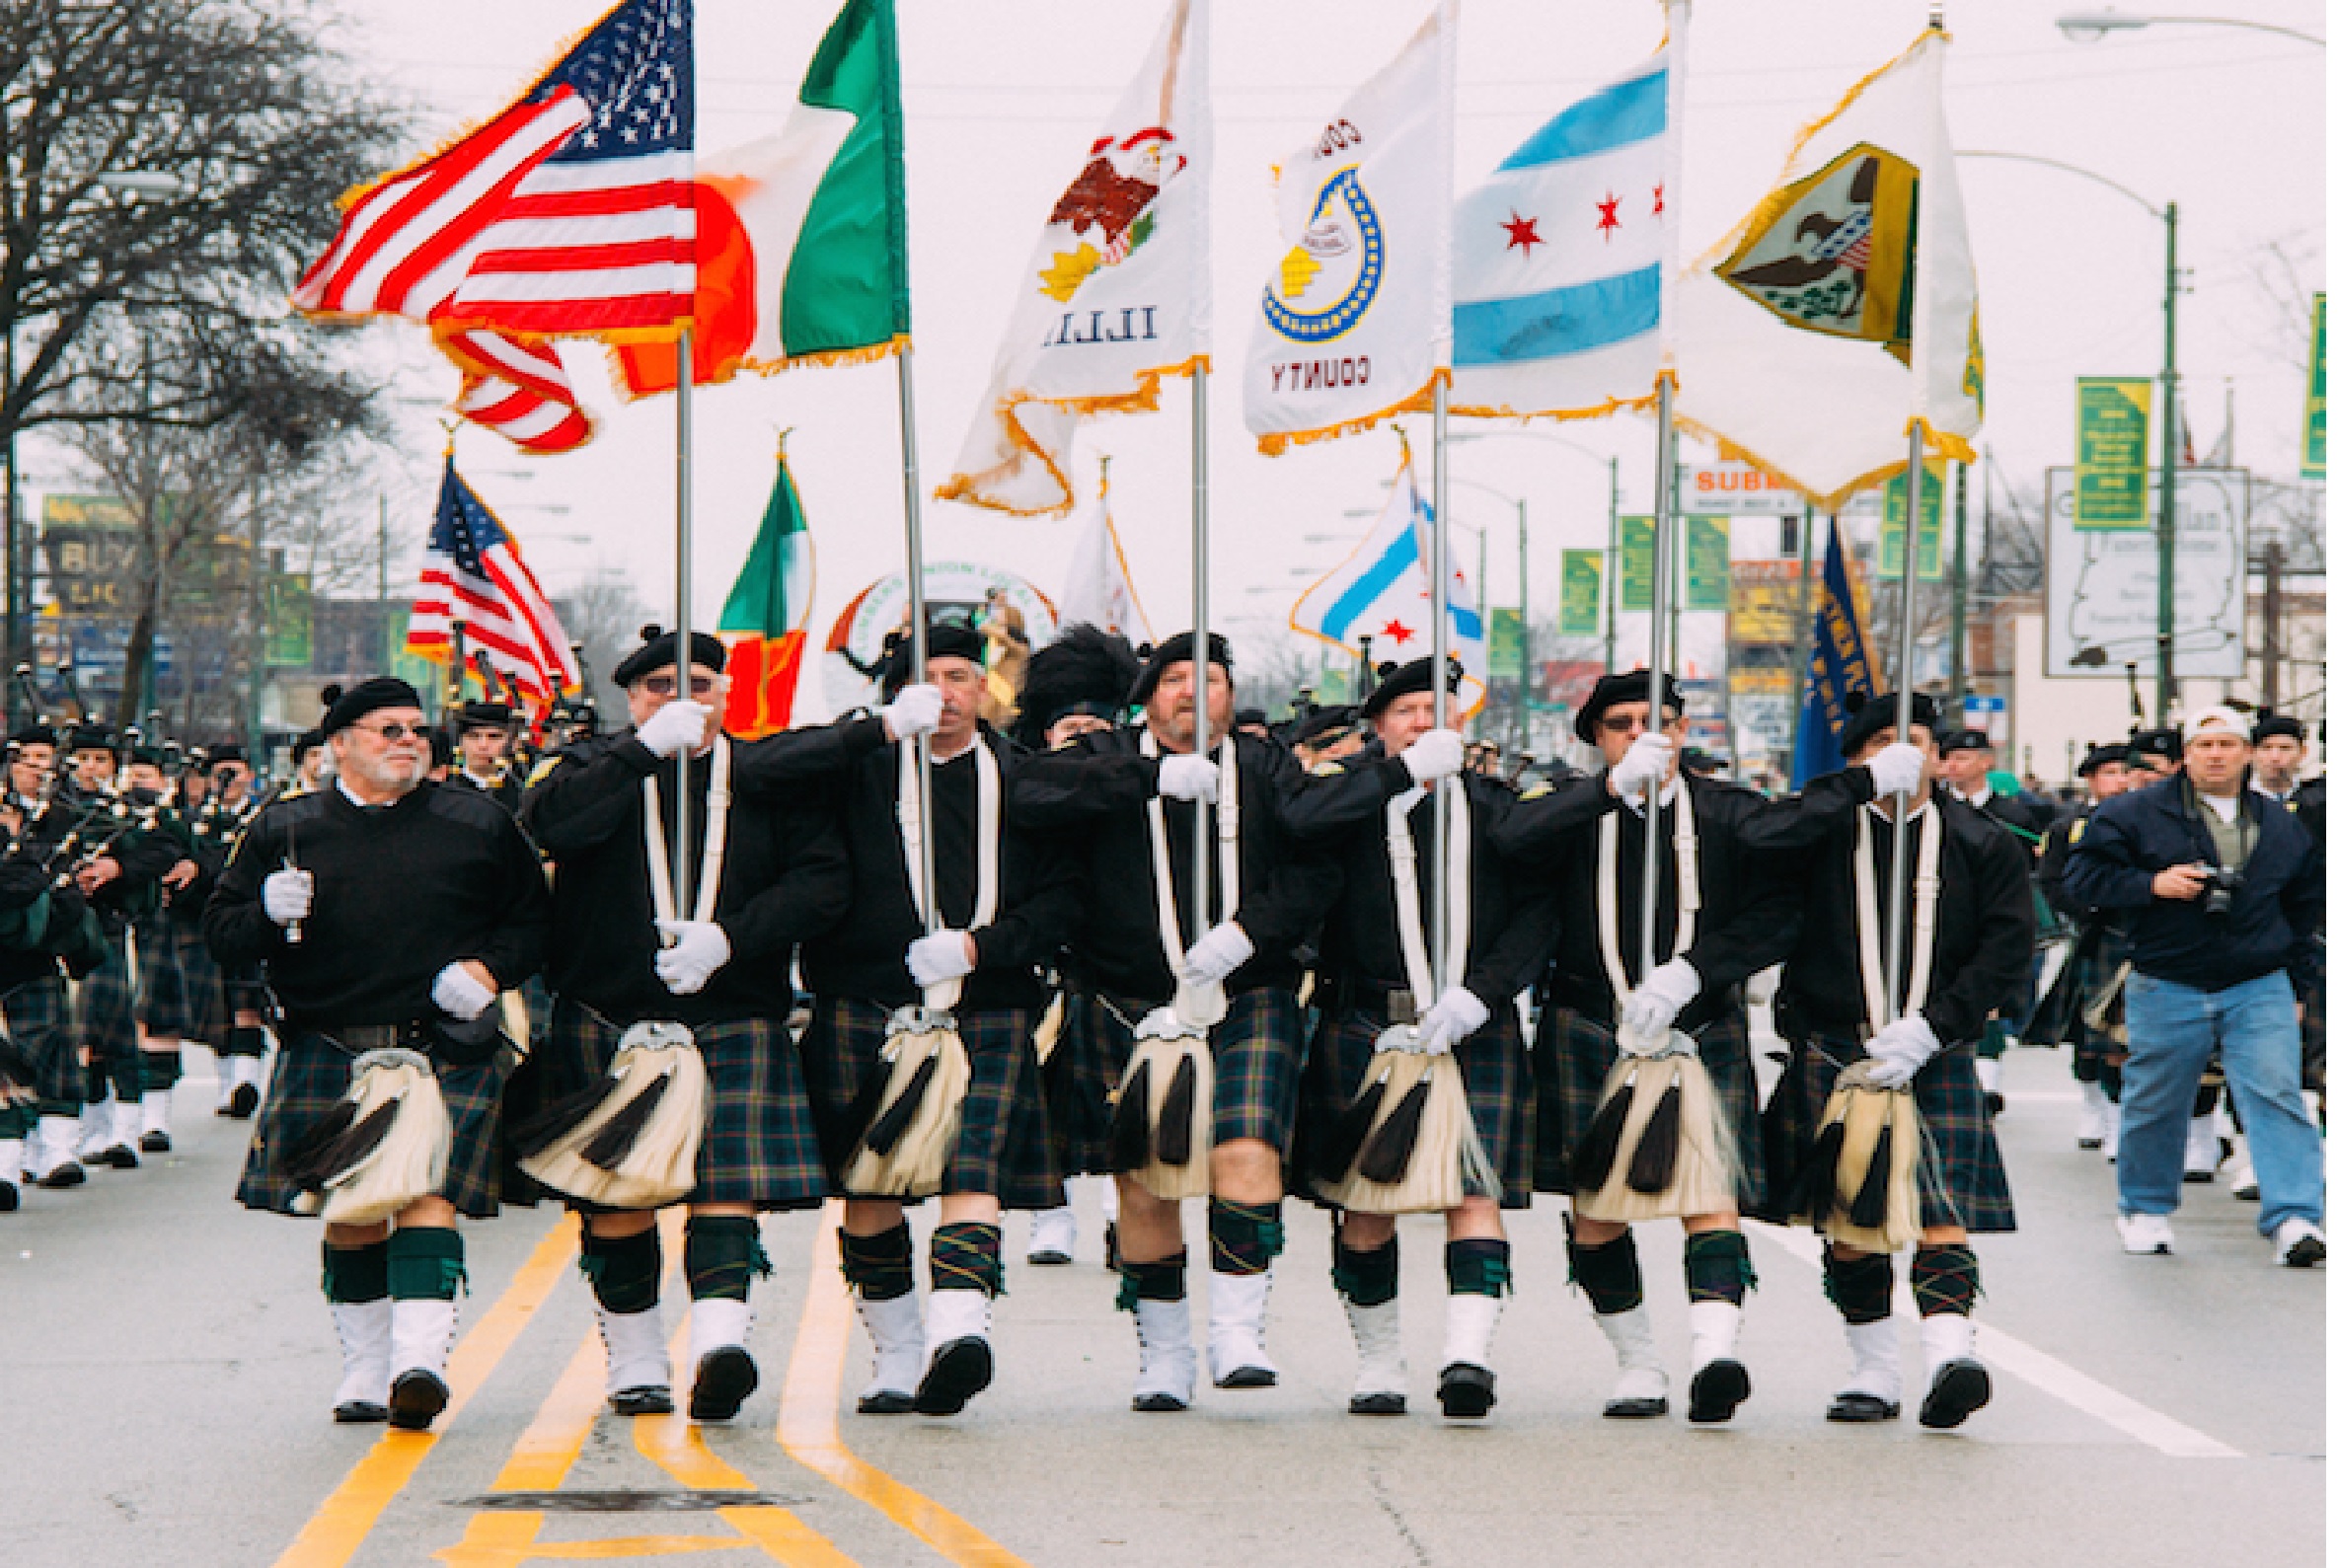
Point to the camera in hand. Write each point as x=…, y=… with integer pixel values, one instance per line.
x=2215, y=893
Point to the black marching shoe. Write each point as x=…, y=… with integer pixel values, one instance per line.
x=1716, y=1391
x=8, y=1197
x=650, y=1399
x=415, y=1399
x=67, y=1175
x=1959, y=1389
x=157, y=1143
x=242, y=1102
x=962, y=1370
x=121, y=1156
x=1465, y=1393
x=1862, y=1408
x=1647, y=1409
x=725, y=1376
x=361, y=1413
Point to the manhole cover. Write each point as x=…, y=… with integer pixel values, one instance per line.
x=622, y=1502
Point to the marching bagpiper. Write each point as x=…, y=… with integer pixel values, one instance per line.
x=2083, y=1005
x=1969, y=928
x=1127, y=800
x=1723, y=911
x=167, y=1003
x=1005, y=903
x=225, y=807
x=702, y=991
x=389, y=914
x=1374, y=817
x=484, y=759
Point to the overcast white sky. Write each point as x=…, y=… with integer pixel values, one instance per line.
x=1002, y=97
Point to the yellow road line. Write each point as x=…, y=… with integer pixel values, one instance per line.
x=540, y=1460
x=340, y=1527
x=807, y=1421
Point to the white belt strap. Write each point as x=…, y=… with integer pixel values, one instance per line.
x=1229, y=834
x=1688, y=897
x=710, y=860
x=914, y=813
x=1869, y=917
x=1404, y=874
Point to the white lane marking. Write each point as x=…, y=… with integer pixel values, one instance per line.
x=2045, y=1373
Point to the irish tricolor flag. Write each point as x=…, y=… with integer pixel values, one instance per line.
x=763, y=621
x=802, y=237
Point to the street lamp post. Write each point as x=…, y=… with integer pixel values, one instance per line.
x=2090, y=27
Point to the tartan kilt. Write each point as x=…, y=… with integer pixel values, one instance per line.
x=1257, y=1054
x=36, y=1017
x=1077, y=1083
x=247, y=991
x=105, y=1004
x=2314, y=1032
x=312, y=1073
x=165, y=1005
x=760, y=1145
x=1494, y=1071
x=1003, y=1147
x=1961, y=1177
x=206, y=1019
x=1573, y=1054
x=2095, y=1047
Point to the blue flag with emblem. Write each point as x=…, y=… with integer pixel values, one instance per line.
x=1839, y=666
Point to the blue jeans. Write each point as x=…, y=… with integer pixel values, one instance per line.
x=2170, y=1031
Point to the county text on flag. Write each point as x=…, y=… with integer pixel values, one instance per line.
x=472, y=572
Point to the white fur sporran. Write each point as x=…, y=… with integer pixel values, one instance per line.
x=638, y=1148
x=408, y=1161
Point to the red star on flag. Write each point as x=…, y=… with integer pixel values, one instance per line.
x=1522, y=233
x=1397, y=631
x=1607, y=221
x=1659, y=209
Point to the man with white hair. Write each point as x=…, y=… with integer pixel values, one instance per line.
x=2223, y=892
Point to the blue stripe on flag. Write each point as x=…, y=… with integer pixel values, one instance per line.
x=1399, y=558
x=1466, y=625
x=1616, y=115
x=1568, y=320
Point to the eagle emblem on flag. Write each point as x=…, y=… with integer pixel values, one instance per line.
x=1106, y=213
x=1835, y=252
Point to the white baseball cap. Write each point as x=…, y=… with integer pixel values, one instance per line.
x=2216, y=716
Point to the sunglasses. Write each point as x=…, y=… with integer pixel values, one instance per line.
x=1624, y=723
x=393, y=734
x=663, y=685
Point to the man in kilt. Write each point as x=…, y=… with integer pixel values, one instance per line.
x=32, y=993
x=2070, y=1010
x=1349, y=812
x=167, y=1006
x=1919, y=1028
x=1006, y=901
x=1589, y=836
x=217, y=823
x=1112, y=795
x=389, y=912
x=623, y=954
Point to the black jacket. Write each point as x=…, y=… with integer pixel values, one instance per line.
x=2275, y=912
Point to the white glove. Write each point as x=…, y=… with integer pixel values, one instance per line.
x=1647, y=764
x=1898, y=770
x=1222, y=949
x=1900, y=1050
x=1649, y=1010
x=916, y=711
x=1434, y=756
x=288, y=894
x=1185, y=777
x=700, y=948
x=680, y=723
x=945, y=955
x=1457, y=1015
x=459, y=995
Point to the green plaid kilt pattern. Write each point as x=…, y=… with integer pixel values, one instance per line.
x=105, y=1004
x=1257, y=1052
x=760, y=1145
x=247, y=991
x=1078, y=1087
x=1961, y=1177
x=1573, y=1054
x=1003, y=1147
x=37, y=1025
x=165, y=1005
x=1494, y=1070
x=312, y=1073
x=207, y=1020
x=2087, y=1043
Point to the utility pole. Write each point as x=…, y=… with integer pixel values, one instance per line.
x=2170, y=450
x=2269, y=691
x=1615, y=564
x=382, y=584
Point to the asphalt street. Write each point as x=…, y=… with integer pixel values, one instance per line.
x=169, y=1367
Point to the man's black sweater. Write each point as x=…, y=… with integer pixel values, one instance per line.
x=783, y=881
x=402, y=891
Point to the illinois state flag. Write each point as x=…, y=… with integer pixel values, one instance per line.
x=763, y=622
x=1116, y=294
x=1356, y=319
x=1377, y=601
x=1843, y=308
x=803, y=249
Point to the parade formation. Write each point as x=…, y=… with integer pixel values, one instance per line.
x=1046, y=920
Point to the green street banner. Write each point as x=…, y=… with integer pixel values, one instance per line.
x=2318, y=411
x=2114, y=445
x=1502, y=641
x=1894, y=537
x=1639, y=561
x=1708, y=564
x=291, y=622
x=1581, y=579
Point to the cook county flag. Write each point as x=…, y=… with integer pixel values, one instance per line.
x=1843, y=307
x=1559, y=259
x=1116, y=294
x=1356, y=319
x=1381, y=594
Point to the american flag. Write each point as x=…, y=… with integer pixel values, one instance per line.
x=472, y=572
x=519, y=390
x=569, y=213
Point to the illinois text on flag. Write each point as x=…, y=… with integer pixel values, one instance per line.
x=472, y=572
x=1116, y=294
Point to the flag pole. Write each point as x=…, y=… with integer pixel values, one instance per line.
x=1440, y=656
x=913, y=521
x=1201, y=646
x=1911, y=537
x=1660, y=659
x=685, y=372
